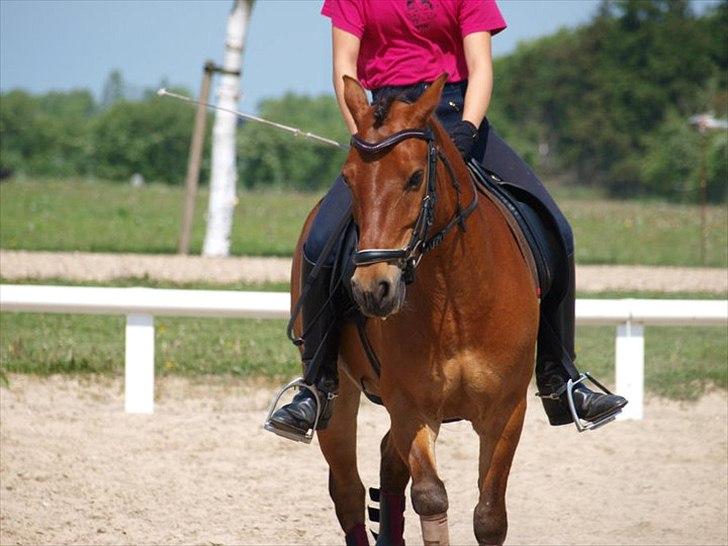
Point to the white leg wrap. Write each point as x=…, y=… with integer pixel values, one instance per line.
x=434, y=530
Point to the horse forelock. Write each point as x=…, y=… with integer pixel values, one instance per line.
x=381, y=108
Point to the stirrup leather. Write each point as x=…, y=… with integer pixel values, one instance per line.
x=583, y=424
x=308, y=436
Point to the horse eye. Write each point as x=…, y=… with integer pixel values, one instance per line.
x=415, y=180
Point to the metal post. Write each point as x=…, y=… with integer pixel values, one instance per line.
x=194, y=161
x=139, y=364
x=630, y=368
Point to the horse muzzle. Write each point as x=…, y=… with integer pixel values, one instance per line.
x=378, y=289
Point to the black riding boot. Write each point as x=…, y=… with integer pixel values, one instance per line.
x=320, y=351
x=555, y=364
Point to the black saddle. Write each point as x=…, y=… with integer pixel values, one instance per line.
x=529, y=222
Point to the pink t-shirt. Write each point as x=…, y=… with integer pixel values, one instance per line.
x=411, y=41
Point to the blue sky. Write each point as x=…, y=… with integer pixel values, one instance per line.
x=59, y=45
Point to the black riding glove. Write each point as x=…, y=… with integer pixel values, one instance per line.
x=464, y=135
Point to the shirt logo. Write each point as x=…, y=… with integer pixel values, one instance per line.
x=421, y=14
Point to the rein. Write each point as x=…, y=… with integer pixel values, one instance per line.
x=408, y=258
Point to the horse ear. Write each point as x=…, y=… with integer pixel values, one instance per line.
x=356, y=100
x=428, y=101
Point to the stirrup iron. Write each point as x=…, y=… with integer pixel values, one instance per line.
x=583, y=424
x=308, y=436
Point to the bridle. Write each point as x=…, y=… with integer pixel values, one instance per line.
x=408, y=258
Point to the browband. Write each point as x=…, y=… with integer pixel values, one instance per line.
x=373, y=147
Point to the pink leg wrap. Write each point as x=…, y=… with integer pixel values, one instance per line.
x=392, y=517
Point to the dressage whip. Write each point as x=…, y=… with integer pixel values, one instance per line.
x=296, y=132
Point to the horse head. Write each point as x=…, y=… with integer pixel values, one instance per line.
x=392, y=172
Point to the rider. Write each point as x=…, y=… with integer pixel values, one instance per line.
x=397, y=47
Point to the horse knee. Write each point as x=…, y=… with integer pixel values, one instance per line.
x=346, y=487
x=490, y=523
x=429, y=497
x=393, y=473
x=349, y=499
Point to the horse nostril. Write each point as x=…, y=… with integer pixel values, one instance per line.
x=384, y=288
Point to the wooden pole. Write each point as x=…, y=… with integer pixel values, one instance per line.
x=703, y=195
x=194, y=161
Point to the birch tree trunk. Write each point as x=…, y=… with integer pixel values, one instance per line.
x=223, y=176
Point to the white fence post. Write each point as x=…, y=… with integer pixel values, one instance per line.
x=139, y=366
x=630, y=368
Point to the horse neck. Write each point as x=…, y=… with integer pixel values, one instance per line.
x=461, y=269
x=461, y=264
x=460, y=239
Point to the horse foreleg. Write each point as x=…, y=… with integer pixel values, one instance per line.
x=414, y=438
x=497, y=446
x=338, y=444
x=393, y=479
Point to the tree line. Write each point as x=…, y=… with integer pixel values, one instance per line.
x=605, y=105
x=62, y=134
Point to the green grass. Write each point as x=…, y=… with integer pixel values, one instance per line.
x=646, y=233
x=46, y=344
x=105, y=217
x=680, y=362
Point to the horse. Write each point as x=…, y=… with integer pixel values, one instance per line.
x=457, y=343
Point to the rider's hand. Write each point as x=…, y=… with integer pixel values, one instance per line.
x=464, y=135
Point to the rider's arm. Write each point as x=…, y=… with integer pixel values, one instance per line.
x=345, y=48
x=479, y=60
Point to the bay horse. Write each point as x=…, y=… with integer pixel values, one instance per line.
x=458, y=342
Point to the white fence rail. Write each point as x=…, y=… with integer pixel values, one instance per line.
x=140, y=305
